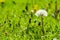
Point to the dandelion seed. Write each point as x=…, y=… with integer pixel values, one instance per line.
x=41, y=12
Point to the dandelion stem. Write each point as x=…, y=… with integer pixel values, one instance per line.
x=42, y=25
x=56, y=14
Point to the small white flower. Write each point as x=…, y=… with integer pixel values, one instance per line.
x=41, y=12
x=54, y=38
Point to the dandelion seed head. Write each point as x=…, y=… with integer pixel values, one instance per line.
x=41, y=12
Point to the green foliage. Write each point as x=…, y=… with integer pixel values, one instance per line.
x=14, y=24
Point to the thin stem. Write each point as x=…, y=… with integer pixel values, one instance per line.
x=42, y=25
x=56, y=9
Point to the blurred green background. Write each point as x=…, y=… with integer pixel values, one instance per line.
x=14, y=24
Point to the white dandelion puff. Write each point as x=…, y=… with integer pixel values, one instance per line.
x=41, y=12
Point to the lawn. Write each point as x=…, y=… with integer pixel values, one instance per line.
x=18, y=25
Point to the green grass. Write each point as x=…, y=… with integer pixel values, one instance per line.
x=12, y=27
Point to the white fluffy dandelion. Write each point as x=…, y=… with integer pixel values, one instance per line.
x=41, y=12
